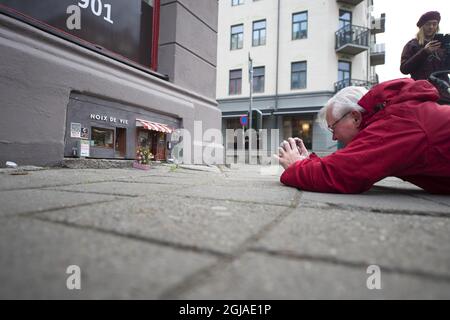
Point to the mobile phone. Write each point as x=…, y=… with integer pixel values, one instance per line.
x=439, y=37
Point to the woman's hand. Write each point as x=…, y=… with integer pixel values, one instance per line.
x=432, y=46
x=291, y=151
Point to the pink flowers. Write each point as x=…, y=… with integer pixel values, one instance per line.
x=143, y=155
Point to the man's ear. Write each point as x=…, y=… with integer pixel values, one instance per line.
x=357, y=118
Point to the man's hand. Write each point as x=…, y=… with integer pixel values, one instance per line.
x=432, y=46
x=291, y=151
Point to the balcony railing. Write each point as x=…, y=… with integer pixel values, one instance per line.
x=377, y=25
x=377, y=54
x=351, y=82
x=351, y=2
x=351, y=39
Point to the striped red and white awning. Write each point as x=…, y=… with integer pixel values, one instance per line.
x=149, y=125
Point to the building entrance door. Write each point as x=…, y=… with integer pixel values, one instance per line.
x=161, y=148
x=121, y=142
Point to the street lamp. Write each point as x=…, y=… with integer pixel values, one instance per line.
x=250, y=76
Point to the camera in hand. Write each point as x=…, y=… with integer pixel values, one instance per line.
x=444, y=39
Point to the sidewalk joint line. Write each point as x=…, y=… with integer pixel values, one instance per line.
x=346, y=263
x=431, y=214
x=147, y=240
x=31, y=213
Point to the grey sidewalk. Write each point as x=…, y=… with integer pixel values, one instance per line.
x=216, y=234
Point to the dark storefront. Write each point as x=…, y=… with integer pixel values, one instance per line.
x=98, y=128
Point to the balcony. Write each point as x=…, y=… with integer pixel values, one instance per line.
x=351, y=39
x=377, y=54
x=351, y=82
x=350, y=2
x=377, y=25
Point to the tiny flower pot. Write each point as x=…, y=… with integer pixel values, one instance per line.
x=141, y=166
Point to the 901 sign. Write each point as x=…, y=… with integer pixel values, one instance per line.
x=97, y=8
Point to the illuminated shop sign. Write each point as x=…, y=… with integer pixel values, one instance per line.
x=118, y=27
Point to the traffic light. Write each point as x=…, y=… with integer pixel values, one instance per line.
x=257, y=120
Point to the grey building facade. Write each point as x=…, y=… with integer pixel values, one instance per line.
x=52, y=88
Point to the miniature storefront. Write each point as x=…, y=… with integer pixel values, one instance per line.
x=102, y=129
x=153, y=135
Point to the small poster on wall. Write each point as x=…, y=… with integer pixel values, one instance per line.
x=84, y=133
x=75, y=130
x=84, y=148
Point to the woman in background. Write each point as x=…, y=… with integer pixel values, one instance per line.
x=422, y=55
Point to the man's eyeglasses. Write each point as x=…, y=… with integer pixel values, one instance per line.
x=331, y=128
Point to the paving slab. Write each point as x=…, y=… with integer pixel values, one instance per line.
x=441, y=199
x=56, y=177
x=252, y=184
x=413, y=244
x=261, y=277
x=119, y=188
x=214, y=225
x=26, y=201
x=381, y=201
x=283, y=196
x=174, y=179
x=35, y=256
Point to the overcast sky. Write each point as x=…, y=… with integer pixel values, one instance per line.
x=401, y=19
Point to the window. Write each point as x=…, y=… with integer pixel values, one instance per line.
x=259, y=33
x=344, y=72
x=345, y=26
x=300, y=25
x=345, y=18
x=299, y=126
x=258, y=79
x=298, y=75
x=235, y=81
x=237, y=2
x=103, y=138
x=237, y=36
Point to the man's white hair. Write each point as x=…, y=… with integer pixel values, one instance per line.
x=344, y=101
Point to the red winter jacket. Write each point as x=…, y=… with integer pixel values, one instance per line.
x=409, y=138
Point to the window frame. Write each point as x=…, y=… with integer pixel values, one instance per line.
x=109, y=146
x=236, y=36
x=343, y=71
x=299, y=23
x=258, y=31
x=260, y=79
x=342, y=22
x=236, y=81
x=237, y=2
x=305, y=63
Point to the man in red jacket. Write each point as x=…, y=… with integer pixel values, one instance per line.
x=396, y=129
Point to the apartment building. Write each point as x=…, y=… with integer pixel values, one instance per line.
x=302, y=52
